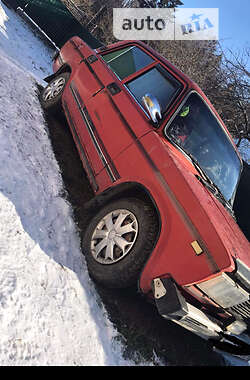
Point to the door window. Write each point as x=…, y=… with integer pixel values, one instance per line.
x=153, y=78
x=157, y=82
x=127, y=61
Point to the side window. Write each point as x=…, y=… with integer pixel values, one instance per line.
x=127, y=61
x=156, y=82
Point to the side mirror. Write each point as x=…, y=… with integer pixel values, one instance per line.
x=153, y=107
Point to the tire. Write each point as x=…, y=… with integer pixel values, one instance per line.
x=118, y=241
x=51, y=95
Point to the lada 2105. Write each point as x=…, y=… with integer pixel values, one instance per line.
x=164, y=170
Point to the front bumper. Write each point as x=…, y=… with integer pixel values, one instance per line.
x=172, y=305
x=242, y=278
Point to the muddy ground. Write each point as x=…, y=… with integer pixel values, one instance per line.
x=142, y=329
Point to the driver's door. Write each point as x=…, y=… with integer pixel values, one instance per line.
x=117, y=111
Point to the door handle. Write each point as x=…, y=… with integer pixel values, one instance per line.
x=113, y=88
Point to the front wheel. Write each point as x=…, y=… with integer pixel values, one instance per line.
x=51, y=95
x=118, y=241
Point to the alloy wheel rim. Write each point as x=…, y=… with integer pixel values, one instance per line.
x=114, y=236
x=53, y=89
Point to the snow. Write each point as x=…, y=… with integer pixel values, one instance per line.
x=50, y=313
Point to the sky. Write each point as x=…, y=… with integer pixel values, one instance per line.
x=234, y=22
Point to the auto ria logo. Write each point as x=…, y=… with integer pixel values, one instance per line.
x=166, y=23
x=196, y=24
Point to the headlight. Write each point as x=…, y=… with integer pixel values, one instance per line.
x=224, y=291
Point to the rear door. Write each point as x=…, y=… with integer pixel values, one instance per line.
x=104, y=112
x=108, y=90
x=81, y=88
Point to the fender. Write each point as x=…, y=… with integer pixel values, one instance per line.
x=130, y=189
x=63, y=69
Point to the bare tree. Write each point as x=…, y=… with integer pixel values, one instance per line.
x=233, y=97
x=81, y=9
x=104, y=31
x=94, y=15
x=97, y=15
x=197, y=59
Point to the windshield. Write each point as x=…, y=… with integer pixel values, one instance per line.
x=197, y=131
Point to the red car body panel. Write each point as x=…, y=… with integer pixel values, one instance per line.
x=121, y=146
x=182, y=222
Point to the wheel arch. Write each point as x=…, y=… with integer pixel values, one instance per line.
x=65, y=68
x=124, y=190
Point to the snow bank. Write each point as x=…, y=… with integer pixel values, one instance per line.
x=49, y=311
x=22, y=47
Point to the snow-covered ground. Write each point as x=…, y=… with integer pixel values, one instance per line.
x=50, y=313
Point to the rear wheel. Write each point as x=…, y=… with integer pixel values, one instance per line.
x=51, y=95
x=118, y=241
